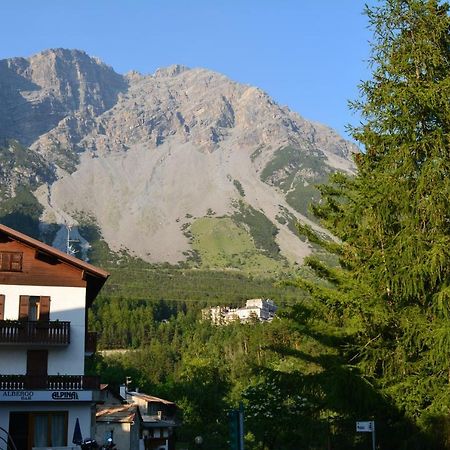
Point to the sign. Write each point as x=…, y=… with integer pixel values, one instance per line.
x=45, y=396
x=365, y=427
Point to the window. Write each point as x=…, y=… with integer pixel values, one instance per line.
x=38, y=429
x=2, y=307
x=11, y=261
x=50, y=429
x=33, y=308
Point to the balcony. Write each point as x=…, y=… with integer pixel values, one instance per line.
x=49, y=382
x=48, y=333
x=90, y=343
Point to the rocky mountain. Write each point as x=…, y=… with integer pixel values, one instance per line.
x=183, y=163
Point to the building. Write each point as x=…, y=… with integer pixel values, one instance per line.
x=44, y=298
x=158, y=420
x=259, y=309
x=122, y=423
x=117, y=419
x=135, y=421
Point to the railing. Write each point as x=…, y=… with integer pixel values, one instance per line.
x=7, y=441
x=49, y=382
x=34, y=332
x=91, y=342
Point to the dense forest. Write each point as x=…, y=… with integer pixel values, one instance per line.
x=366, y=339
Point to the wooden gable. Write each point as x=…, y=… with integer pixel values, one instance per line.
x=38, y=268
x=27, y=261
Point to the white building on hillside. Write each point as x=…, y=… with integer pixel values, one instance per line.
x=44, y=298
x=255, y=309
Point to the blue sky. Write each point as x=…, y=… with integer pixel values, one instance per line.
x=307, y=54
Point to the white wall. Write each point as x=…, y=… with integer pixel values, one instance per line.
x=66, y=304
x=121, y=433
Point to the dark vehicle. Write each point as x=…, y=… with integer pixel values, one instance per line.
x=89, y=444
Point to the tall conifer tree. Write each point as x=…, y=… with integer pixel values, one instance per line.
x=393, y=219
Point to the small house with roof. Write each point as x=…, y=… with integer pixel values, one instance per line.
x=158, y=420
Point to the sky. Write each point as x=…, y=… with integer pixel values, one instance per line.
x=307, y=54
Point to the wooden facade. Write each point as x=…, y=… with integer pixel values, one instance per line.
x=39, y=269
x=39, y=264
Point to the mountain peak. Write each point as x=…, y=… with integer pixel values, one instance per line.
x=171, y=71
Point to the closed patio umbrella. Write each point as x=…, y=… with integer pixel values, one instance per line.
x=77, y=438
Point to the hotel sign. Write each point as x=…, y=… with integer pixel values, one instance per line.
x=45, y=396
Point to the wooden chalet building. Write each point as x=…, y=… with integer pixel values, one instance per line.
x=44, y=299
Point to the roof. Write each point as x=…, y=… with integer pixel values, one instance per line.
x=151, y=422
x=119, y=413
x=94, y=276
x=150, y=398
x=64, y=257
x=116, y=394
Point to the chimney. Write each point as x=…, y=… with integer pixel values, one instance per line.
x=123, y=391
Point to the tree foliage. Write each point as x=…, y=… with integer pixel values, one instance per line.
x=390, y=296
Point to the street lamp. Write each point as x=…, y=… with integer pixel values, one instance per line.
x=198, y=441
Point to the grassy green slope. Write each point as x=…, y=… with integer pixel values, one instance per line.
x=222, y=243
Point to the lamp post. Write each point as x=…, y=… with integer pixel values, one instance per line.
x=198, y=441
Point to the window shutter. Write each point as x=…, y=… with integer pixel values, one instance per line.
x=16, y=262
x=44, y=308
x=24, y=303
x=2, y=307
x=5, y=263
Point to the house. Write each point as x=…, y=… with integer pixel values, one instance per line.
x=259, y=309
x=135, y=420
x=44, y=299
x=122, y=423
x=158, y=420
x=117, y=419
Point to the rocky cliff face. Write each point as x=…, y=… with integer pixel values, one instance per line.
x=146, y=156
x=57, y=90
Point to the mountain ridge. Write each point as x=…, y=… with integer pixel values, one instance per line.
x=147, y=155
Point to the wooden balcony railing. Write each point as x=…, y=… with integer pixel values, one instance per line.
x=34, y=332
x=49, y=382
x=91, y=342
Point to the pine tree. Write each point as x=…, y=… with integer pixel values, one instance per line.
x=392, y=295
